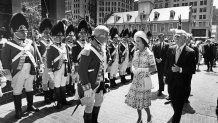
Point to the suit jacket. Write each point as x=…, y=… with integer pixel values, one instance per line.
x=196, y=52
x=179, y=82
x=160, y=53
x=208, y=52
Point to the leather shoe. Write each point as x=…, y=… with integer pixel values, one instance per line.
x=32, y=108
x=159, y=93
x=168, y=102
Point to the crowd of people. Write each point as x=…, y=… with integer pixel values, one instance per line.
x=83, y=62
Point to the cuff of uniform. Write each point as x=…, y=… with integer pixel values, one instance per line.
x=75, y=64
x=86, y=87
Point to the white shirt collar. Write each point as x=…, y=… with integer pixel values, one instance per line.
x=181, y=47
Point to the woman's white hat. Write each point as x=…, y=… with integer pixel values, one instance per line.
x=142, y=35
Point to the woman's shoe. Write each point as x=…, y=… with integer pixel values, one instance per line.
x=150, y=120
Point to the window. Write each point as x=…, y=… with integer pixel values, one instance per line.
x=166, y=5
x=194, y=16
x=170, y=26
x=203, y=9
x=156, y=15
x=154, y=27
x=204, y=16
x=162, y=28
x=201, y=2
x=191, y=4
x=205, y=2
x=200, y=16
x=194, y=10
x=195, y=3
x=172, y=14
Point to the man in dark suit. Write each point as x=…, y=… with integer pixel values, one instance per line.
x=160, y=50
x=180, y=65
x=209, y=55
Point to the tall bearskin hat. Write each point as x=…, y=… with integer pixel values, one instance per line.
x=134, y=31
x=83, y=26
x=46, y=23
x=121, y=34
x=126, y=33
x=18, y=23
x=114, y=32
x=70, y=28
x=149, y=35
x=58, y=28
x=111, y=31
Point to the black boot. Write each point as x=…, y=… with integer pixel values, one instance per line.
x=46, y=97
x=123, y=80
x=29, y=98
x=58, y=98
x=132, y=75
x=95, y=113
x=87, y=117
x=17, y=105
x=51, y=95
x=113, y=83
x=63, y=96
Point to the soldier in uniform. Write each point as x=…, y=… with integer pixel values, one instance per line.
x=91, y=61
x=132, y=49
x=70, y=39
x=57, y=63
x=123, y=55
x=19, y=62
x=113, y=61
x=45, y=42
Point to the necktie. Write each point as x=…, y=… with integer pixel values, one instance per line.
x=178, y=52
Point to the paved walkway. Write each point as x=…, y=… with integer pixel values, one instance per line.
x=114, y=110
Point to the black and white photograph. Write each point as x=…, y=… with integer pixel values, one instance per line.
x=108, y=61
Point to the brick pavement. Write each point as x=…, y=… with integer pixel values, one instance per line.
x=114, y=110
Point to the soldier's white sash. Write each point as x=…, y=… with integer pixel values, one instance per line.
x=46, y=45
x=97, y=53
x=23, y=50
x=61, y=53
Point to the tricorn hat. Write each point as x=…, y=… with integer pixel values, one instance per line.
x=18, y=23
x=83, y=26
x=58, y=28
x=46, y=23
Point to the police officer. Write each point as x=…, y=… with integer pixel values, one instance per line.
x=91, y=61
x=57, y=63
x=123, y=55
x=70, y=39
x=18, y=60
x=113, y=63
x=45, y=42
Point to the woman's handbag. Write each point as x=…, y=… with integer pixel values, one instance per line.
x=147, y=84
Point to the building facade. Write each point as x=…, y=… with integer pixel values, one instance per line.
x=154, y=20
x=105, y=8
x=202, y=14
x=84, y=9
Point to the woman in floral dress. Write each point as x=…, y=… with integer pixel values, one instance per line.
x=139, y=96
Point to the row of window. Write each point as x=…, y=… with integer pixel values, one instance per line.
x=204, y=2
x=113, y=9
x=204, y=9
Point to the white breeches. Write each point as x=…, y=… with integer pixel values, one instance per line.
x=22, y=79
x=59, y=78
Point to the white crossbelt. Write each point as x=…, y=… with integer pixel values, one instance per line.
x=23, y=51
x=61, y=53
x=46, y=45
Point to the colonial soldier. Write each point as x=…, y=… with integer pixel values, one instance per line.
x=57, y=63
x=90, y=72
x=79, y=44
x=132, y=49
x=18, y=60
x=70, y=39
x=45, y=42
x=123, y=56
x=113, y=61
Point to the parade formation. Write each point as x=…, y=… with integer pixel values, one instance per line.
x=85, y=62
